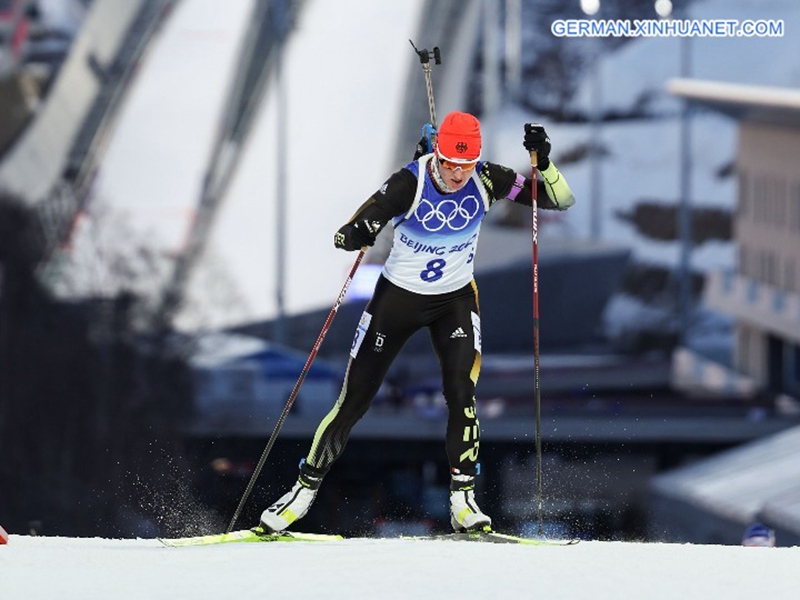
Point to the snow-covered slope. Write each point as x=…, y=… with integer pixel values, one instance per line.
x=101, y=569
x=345, y=67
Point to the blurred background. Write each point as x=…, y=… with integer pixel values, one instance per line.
x=172, y=173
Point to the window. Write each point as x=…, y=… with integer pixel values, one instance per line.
x=790, y=275
x=765, y=269
x=781, y=202
x=744, y=195
x=794, y=207
x=760, y=199
x=744, y=265
x=768, y=187
x=772, y=269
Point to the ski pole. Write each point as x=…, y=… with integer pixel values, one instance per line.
x=293, y=395
x=536, y=386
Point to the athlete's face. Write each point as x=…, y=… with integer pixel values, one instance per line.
x=455, y=178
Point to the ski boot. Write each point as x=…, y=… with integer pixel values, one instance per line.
x=464, y=512
x=295, y=503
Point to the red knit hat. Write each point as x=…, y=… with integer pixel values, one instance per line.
x=459, y=137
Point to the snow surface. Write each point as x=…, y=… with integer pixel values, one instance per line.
x=33, y=568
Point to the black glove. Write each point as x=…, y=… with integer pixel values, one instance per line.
x=421, y=148
x=536, y=140
x=355, y=236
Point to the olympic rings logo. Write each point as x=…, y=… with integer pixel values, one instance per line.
x=456, y=215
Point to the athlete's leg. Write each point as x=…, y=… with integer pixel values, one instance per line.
x=386, y=324
x=456, y=338
x=389, y=320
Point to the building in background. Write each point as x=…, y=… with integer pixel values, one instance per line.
x=762, y=294
x=713, y=500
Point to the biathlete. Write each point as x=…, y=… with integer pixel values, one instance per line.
x=436, y=204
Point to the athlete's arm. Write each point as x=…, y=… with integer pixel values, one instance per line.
x=554, y=192
x=393, y=199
